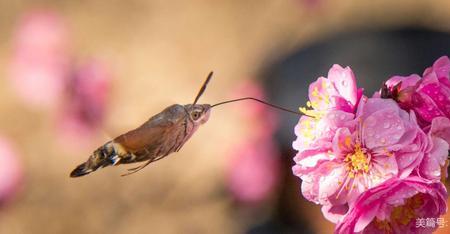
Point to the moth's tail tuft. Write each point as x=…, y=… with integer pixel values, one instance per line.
x=102, y=157
x=81, y=170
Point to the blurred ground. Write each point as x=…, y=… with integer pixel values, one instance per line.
x=160, y=52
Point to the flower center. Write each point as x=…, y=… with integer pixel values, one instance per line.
x=405, y=213
x=402, y=215
x=357, y=162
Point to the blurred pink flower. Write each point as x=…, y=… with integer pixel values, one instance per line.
x=396, y=206
x=382, y=142
x=40, y=58
x=253, y=170
x=10, y=171
x=84, y=106
x=428, y=97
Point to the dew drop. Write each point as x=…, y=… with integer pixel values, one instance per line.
x=370, y=121
x=386, y=125
x=344, y=83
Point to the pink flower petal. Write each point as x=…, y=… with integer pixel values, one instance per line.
x=345, y=82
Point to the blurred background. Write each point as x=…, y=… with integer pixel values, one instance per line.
x=75, y=74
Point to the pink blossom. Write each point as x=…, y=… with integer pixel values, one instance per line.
x=356, y=154
x=40, y=58
x=429, y=97
x=337, y=92
x=84, y=107
x=396, y=206
x=329, y=97
x=10, y=171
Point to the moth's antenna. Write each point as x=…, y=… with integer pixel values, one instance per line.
x=258, y=100
x=202, y=89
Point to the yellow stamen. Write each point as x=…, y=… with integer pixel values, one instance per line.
x=357, y=162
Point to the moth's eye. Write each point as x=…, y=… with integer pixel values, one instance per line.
x=195, y=115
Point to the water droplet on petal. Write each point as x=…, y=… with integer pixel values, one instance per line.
x=344, y=83
x=370, y=121
x=386, y=125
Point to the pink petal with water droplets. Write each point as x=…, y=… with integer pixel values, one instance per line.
x=440, y=127
x=345, y=82
x=383, y=168
x=382, y=128
x=425, y=107
x=439, y=93
x=372, y=105
x=330, y=174
x=432, y=162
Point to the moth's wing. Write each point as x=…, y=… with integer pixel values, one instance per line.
x=143, y=136
x=154, y=138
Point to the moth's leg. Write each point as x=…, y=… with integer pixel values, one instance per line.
x=134, y=170
x=148, y=162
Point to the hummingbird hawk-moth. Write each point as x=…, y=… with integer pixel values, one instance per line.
x=161, y=135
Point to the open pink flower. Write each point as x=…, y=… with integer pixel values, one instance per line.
x=429, y=97
x=335, y=96
x=396, y=206
x=383, y=141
